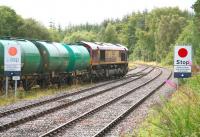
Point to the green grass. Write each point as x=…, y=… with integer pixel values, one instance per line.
x=177, y=117
x=149, y=63
x=35, y=94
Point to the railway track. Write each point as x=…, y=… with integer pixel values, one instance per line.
x=113, y=123
x=132, y=68
x=97, y=109
x=12, y=111
x=51, y=110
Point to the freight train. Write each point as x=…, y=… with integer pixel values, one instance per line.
x=47, y=63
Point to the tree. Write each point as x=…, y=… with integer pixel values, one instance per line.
x=80, y=36
x=109, y=34
x=34, y=30
x=55, y=35
x=168, y=31
x=196, y=7
x=145, y=46
x=196, y=31
x=135, y=21
x=9, y=22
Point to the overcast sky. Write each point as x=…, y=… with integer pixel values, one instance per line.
x=66, y=12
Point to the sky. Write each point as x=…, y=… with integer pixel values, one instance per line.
x=65, y=12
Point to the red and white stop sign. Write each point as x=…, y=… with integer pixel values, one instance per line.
x=12, y=57
x=182, y=55
x=182, y=61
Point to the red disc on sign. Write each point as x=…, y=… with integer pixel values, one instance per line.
x=12, y=51
x=182, y=52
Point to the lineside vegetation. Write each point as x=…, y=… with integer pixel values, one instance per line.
x=177, y=117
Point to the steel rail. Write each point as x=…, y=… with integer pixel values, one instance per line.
x=51, y=110
x=59, y=129
x=19, y=109
x=103, y=131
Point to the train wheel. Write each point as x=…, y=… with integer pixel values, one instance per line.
x=2, y=86
x=26, y=85
x=43, y=83
x=61, y=82
x=70, y=80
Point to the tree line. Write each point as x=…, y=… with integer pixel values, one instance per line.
x=12, y=24
x=150, y=36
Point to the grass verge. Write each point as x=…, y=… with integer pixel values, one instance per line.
x=36, y=94
x=150, y=63
x=177, y=117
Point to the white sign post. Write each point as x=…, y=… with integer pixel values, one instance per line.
x=182, y=61
x=12, y=63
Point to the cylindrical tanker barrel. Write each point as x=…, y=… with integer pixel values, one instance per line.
x=54, y=56
x=64, y=57
x=30, y=56
x=79, y=57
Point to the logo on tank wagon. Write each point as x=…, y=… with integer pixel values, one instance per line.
x=12, y=51
x=12, y=60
